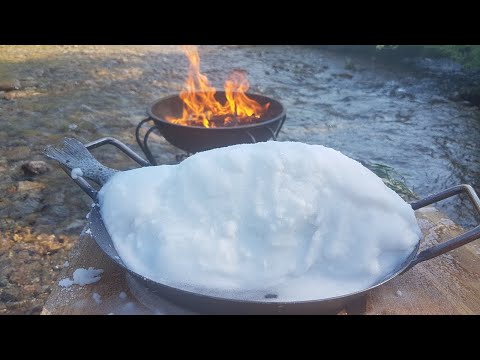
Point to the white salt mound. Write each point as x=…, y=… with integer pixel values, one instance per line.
x=298, y=221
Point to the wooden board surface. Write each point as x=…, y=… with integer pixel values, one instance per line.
x=449, y=284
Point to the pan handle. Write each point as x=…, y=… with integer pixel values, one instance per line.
x=84, y=184
x=456, y=242
x=119, y=145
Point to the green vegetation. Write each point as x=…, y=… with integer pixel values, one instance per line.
x=467, y=55
x=392, y=179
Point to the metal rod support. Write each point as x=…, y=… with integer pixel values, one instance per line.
x=119, y=145
x=146, y=149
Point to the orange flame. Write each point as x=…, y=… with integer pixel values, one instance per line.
x=201, y=108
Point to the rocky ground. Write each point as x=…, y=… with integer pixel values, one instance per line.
x=48, y=92
x=88, y=92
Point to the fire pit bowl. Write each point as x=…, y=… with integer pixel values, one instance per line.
x=194, y=138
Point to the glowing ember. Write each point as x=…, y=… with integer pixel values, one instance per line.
x=201, y=108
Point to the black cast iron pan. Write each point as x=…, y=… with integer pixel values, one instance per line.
x=74, y=154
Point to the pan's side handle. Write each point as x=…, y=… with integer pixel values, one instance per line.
x=119, y=145
x=456, y=242
x=84, y=184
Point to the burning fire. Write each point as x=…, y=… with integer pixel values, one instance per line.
x=201, y=108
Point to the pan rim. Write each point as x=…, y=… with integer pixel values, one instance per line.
x=95, y=219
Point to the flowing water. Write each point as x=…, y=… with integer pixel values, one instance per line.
x=397, y=114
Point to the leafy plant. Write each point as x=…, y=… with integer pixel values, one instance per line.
x=392, y=179
x=467, y=55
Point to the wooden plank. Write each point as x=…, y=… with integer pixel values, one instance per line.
x=115, y=295
x=449, y=284
x=78, y=300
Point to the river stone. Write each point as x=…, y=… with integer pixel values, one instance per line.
x=9, y=85
x=344, y=75
x=35, y=167
x=8, y=295
x=29, y=186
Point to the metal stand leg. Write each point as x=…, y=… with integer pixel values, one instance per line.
x=280, y=127
x=143, y=142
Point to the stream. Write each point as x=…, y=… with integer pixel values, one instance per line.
x=398, y=115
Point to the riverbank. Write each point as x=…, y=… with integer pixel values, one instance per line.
x=456, y=70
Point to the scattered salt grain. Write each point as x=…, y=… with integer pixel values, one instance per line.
x=122, y=295
x=97, y=298
x=129, y=308
x=66, y=283
x=76, y=172
x=82, y=277
x=66, y=264
x=427, y=209
x=399, y=293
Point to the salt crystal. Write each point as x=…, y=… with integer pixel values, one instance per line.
x=82, y=277
x=129, y=308
x=66, y=282
x=66, y=264
x=97, y=298
x=76, y=173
